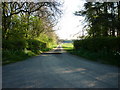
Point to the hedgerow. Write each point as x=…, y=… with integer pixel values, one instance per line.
x=106, y=44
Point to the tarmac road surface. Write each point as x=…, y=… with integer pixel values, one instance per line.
x=58, y=69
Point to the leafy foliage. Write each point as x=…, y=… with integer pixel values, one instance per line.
x=27, y=26
x=103, y=18
x=106, y=44
x=103, y=32
x=14, y=44
x=35, y=45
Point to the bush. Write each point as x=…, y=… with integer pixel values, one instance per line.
x=106, y=44
x=102, y=49
x=35, y=45
x=14, y=44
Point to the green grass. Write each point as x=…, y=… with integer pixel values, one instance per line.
x=12, y=56
x=101, y=57
x=68, y=46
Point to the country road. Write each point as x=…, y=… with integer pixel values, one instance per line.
x=58, y=69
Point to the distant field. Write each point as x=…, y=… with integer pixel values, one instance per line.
x=68, y=46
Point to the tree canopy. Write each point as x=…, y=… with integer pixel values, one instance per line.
x=103, y=18
x=37, y=16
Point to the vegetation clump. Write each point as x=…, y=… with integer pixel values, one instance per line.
x=27, y=29
x=102, y=42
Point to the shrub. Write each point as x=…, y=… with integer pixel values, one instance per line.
x=106, y=44
x=35, y=45
x=13, y=44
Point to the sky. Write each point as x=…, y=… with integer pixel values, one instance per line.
x=69, y=24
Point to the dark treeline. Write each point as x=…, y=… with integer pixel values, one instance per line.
x=103, y=32
x=103, y=18
x=28, y=27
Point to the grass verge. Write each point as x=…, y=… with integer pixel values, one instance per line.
x=12, y=56
x=101, y=57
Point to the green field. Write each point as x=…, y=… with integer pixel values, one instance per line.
x=68, y=46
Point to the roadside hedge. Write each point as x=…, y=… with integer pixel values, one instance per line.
x=29, y=44
x=14, y=44
x=35, y=45
x=106, y=44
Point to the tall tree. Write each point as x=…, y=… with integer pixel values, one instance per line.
x=102, y=18
x=15, y=8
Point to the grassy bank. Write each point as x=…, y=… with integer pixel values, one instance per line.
x=101, y=57
x=12, y=56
